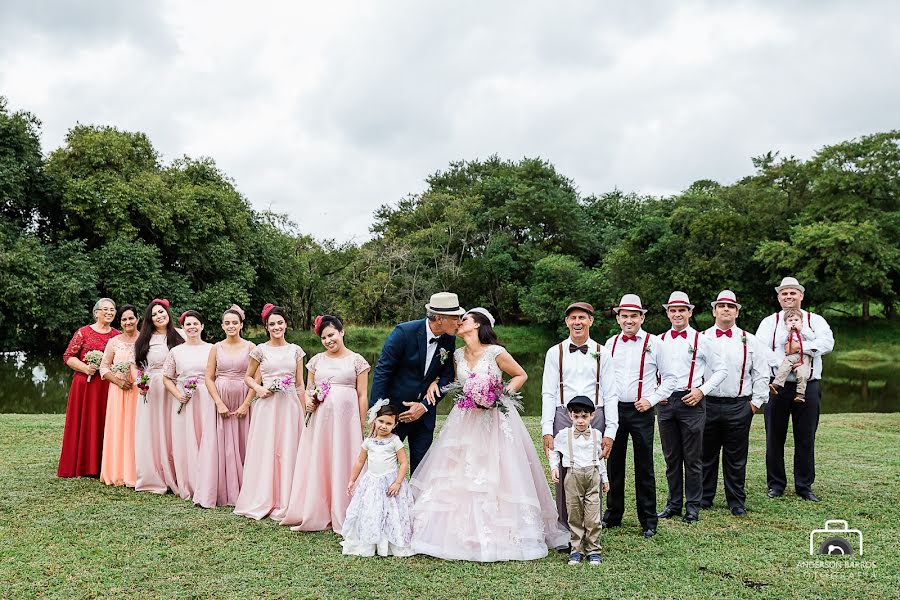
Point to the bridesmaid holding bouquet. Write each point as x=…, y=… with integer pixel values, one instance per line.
x=331, y=443
x=225, y=445
x=184, y=372
x=82, y=443
x=277, y=423
x=118, y=435
x=154, y=464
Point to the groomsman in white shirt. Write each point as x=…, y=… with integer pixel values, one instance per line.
x=682, y=416
x=731, y=405
x=634, y=355
x=782, y=408
x=578, y=366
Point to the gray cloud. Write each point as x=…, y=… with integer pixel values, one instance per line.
x=332, y=110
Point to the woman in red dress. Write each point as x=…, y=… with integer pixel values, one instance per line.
x=82, y=444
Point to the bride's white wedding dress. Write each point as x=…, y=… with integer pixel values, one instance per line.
x=480, y=492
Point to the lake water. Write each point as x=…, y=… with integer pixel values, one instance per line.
x=40, y=384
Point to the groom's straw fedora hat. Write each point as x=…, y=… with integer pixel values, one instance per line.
x=445, y=303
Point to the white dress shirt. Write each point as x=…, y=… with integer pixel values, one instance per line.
x=816, y=348
x=754, y=379
x=430, y=348
x=627, y=362
x=582, y=449
x=579, y=379
x=676, y=358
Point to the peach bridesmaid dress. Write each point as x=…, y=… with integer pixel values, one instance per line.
x=117, y=467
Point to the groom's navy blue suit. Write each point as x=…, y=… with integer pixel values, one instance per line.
x=400, y=376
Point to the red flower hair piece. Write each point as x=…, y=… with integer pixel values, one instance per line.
x=266, y=310
x=317, y=323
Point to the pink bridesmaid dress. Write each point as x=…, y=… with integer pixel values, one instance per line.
x=224, y=443
x=154, y=463
x=275, y=432
x=118, y=467
x=329, y=447
x=185, y=362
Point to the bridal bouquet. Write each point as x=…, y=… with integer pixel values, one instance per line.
x=93, y=358
x=279, y=385
x=190, y=386
x=143, y=382
x=318, y=395
x=485, y=392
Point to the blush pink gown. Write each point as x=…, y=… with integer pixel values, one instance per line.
x=275, y=432
x=154, y=463
x=188, y=427
x=329, y=447
x=480, y=492
x=118, y=467
x=224, y=443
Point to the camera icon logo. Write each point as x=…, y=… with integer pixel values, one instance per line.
x=835, y=539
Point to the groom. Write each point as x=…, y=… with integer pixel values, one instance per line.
x=416, y=354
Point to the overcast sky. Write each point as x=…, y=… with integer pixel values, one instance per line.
x=335, y=108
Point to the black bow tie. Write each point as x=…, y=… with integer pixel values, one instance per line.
x=574, y=348
x=433, y=340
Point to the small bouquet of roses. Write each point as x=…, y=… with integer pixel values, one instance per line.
x=278, y=385
x=93, y=358
x=318, y=395
x=484, y=392
x=143, y=382
x=190, y=386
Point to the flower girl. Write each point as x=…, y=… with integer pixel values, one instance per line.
x=378, y=518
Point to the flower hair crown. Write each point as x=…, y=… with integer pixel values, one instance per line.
x=373, y=412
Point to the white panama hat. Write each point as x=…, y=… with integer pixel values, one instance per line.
x=445, y=303
x=630, y=302
x=726, y=297
x=678, y=298
x=790, y=282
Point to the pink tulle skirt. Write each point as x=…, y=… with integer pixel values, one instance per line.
x=481, y=493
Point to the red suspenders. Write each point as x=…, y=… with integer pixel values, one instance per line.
x=643, y=358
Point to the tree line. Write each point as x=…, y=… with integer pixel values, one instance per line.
x=103, y=215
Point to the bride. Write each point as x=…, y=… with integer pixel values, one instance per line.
x=480, y=492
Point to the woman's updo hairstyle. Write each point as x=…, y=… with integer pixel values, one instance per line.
x=190, y=313
x=323, y=321
x=486, y=333
x=235, y=310
x=269, y=310
x=124, y=310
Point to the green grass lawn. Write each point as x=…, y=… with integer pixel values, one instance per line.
x=80, y=538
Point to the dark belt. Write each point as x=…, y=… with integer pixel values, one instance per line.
x=724, y=400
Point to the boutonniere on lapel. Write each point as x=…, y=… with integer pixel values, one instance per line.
x=647, y=349
x=443, y=355
x=744, y=339
x=595, y=355
x=691, y=349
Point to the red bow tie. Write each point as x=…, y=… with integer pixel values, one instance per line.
x=677, y=334
x=629, y=338
x=720, y=333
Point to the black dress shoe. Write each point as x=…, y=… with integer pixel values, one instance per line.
x=705, y=504
x=773, y=493
x=809, y=496
x=668, y=513
x=607, y=525
x=739, y=511
x=691, y=517
x=649, y=533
